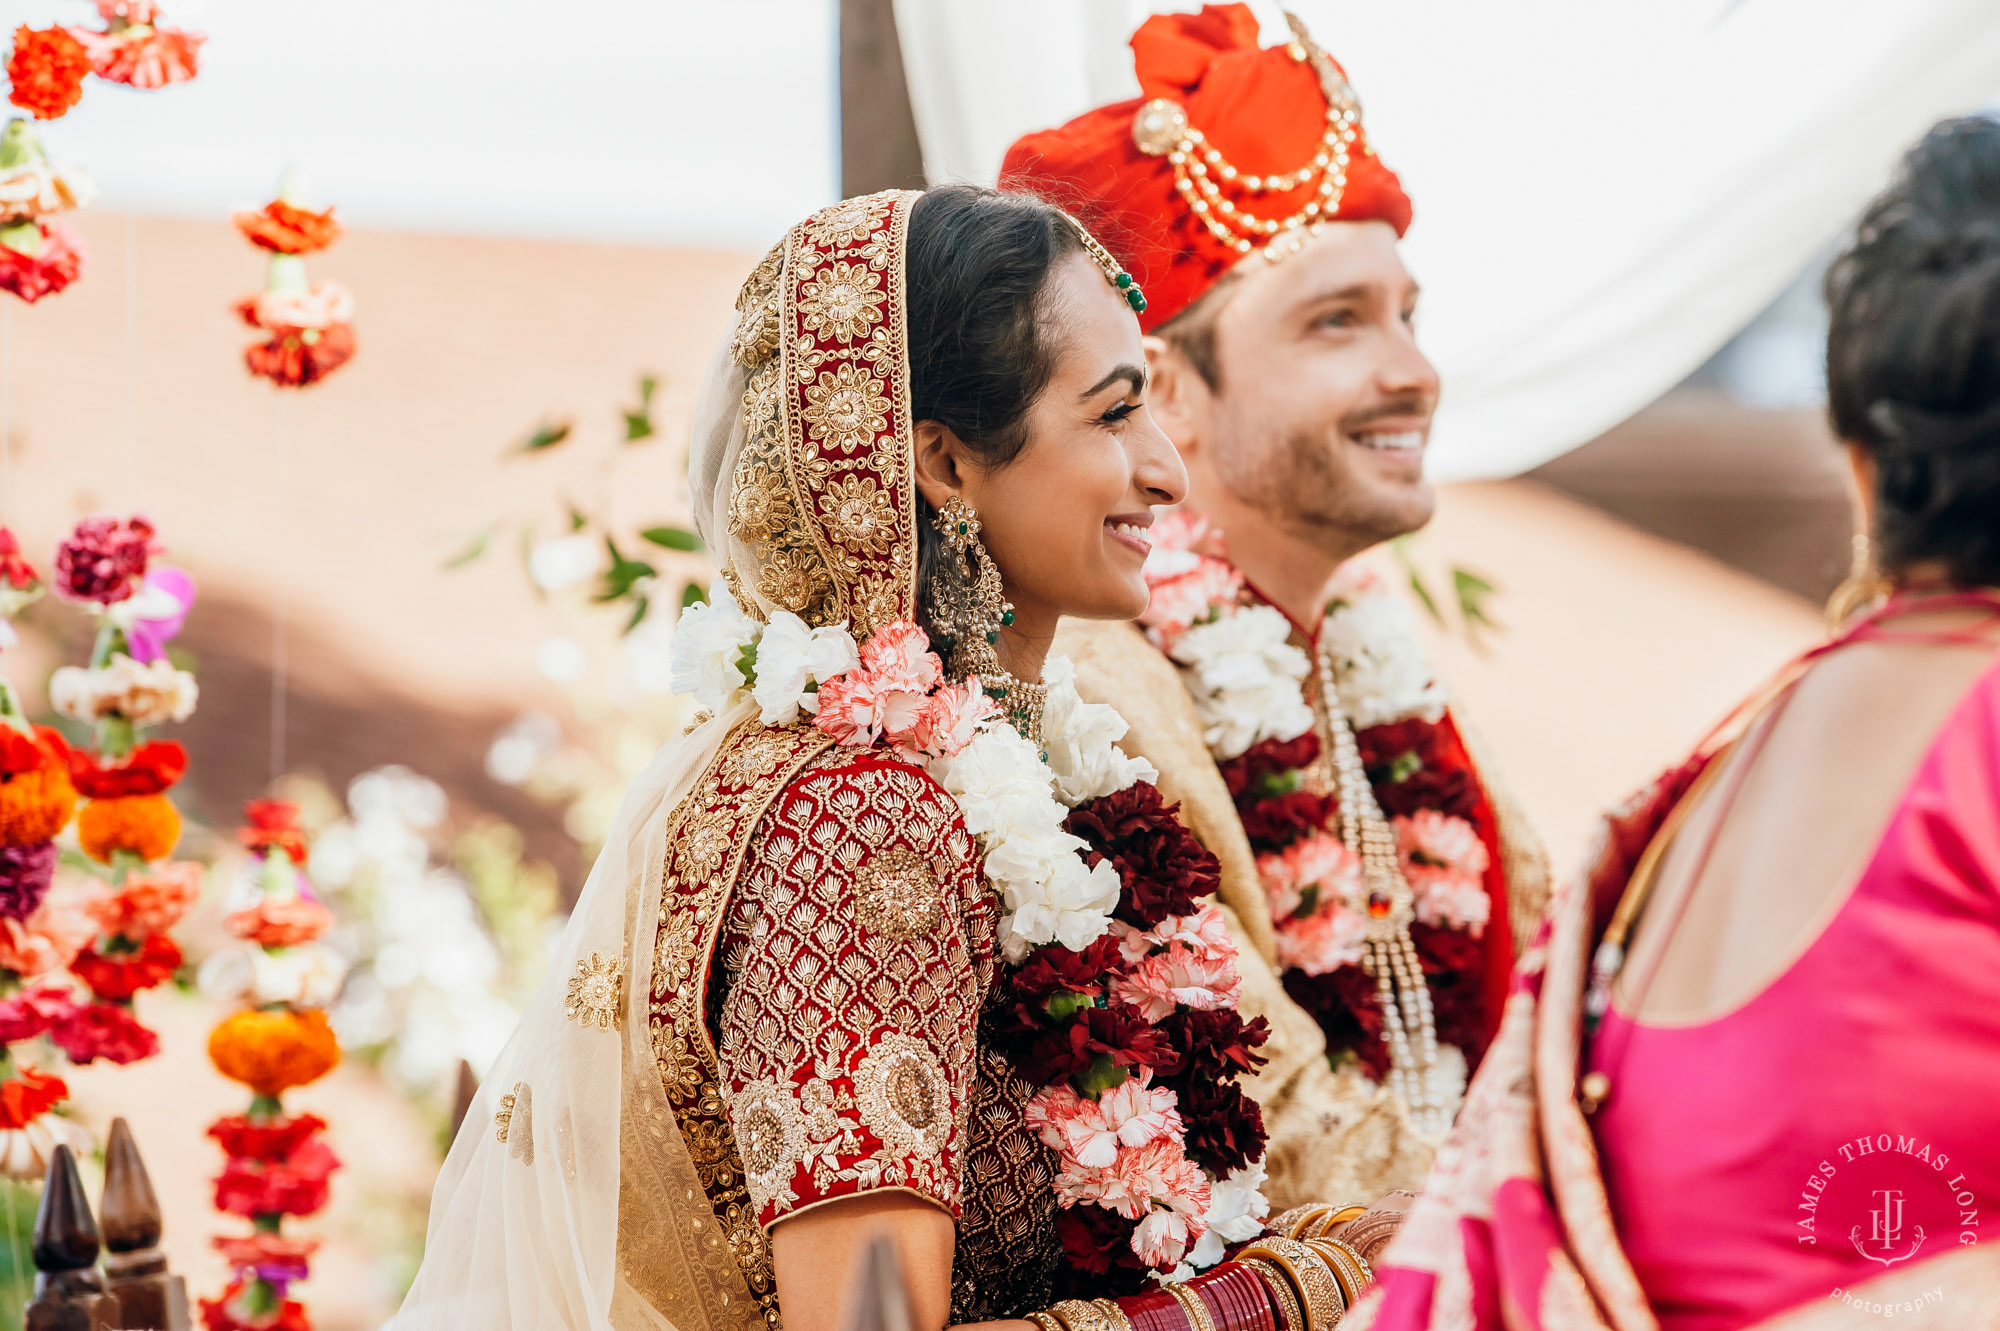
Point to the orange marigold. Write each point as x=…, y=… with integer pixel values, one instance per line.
x=46, y=70
x=286, y=229
x=147, y=825
x=35, y=805
x=273, y=1051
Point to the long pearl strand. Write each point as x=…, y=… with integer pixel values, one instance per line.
x=1409, y=1026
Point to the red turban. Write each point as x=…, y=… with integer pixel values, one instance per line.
x=1236, y=115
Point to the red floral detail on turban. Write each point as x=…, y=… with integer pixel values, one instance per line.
x=1261, y=107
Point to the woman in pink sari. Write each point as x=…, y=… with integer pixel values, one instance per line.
x=1750, y=1073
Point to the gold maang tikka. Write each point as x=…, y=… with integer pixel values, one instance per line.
x=969, y=609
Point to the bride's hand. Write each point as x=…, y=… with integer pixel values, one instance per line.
x=1369, y=1233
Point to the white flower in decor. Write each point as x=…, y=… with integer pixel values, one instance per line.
x=560, y=562
x=1379, y=663
x=708, y=649
x=998, y=780
x=1236, y=1211
x=1071, y=906
x=1081, y=741
x=1247, y=679
x=790, y=656
x=148, y=694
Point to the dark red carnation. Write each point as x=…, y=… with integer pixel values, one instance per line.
x=1224, y=1128
x=1272, y=758
x=33, y=1012
x=116, y=976
x=1276, y=823
x=295, y=1186
x=296, y=357
x=1215, y=1043
x=104, y=1030
x=30, y=753
x=25, y=874
x=104, y=559
x=1119, y=1035
x=1411, y=769
x=1056, y=969
x=150, y=769
x=1165, y=871
x=270, y=1139
x=1097, y=1243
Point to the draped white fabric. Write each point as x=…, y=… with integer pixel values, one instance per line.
x=1604, y=193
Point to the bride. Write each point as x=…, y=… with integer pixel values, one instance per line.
x=895, y=939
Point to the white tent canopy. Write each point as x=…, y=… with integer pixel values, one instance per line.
x=1605, y=193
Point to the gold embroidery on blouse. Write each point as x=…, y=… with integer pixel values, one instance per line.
x=595, y=991
x=771, y=1136
x=898, y=894
x=900, y=1089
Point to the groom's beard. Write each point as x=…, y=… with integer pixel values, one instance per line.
x=1307, y=483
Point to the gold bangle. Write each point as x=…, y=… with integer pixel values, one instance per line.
x=1119, y=1321
x=1080, y=1316
x=1344, y=1272
x=1339, y=1217
x=1191, y=1304
x=1289, y=1223
x=1284, y=1295
x=1362, y=1264
x=1325, y=1302
x=1046, y=1321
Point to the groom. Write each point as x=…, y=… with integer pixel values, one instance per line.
x=1241, y=191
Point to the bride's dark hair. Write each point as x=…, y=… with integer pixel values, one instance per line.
x=1913, y=353
x=975, y=268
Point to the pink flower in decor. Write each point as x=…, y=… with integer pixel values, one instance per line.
x=1079, y=1184
x=1187, y=598
x=1205, y=931
x=47, y=940
x=1307, y=874
x=1445, y=864
x=104, y=1030
x=280, y=921
x=320, y=306
x=50, y=260
x=25, y=874
x=949, y=719
x=147, y=902
x=140, y=52
x=170, y=592
x=1138, y=1113
x=33, y=1012
x=104, y=559
x=1179, y=977
x=1178, y=1195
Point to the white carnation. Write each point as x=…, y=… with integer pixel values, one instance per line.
x=146, y=695
x=308, y=975
x=1072, y=906
x=1379, y=663
x=1081, y=741
x=1247, y=679
x=708, y=649
x=791, y=655
x=1236, y=1211
x=999, y=780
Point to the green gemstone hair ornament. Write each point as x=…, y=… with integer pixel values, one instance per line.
x=1114, y=272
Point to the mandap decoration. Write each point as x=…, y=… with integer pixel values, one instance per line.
x=134, y=47
x=1121, y=987
x=309, y=334
x=72, y=963
x=278, y=1163
x=38, y=255
x=1248, y=681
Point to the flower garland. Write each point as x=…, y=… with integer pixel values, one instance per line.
x=310, y=333
x=278, y=1164
x=38, y=255
x=1121, y=985
x=1247, y=678
x=113, y=935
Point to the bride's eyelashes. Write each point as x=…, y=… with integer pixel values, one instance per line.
x=1119, y=412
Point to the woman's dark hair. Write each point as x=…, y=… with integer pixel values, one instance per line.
x=977, y=264
x=1913, y=353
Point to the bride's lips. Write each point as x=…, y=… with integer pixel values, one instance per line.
x=1129, y=530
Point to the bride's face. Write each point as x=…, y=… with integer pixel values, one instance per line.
x=1066, y=518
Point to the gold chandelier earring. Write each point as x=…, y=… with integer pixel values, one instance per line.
x=1863, y=586
x=969, y=609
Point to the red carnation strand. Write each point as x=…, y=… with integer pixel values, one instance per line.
x=284, y=229
x=150, y=769
x=46, y=71
x=273, y=825
x=105, y=1030
x=15, y=570
x=298, y=357
x=104, y=560
x=117, y=976
x=56, y=262
x=27, y=1095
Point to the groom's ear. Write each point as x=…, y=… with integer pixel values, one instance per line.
x=1176, y=394
x=941, y=463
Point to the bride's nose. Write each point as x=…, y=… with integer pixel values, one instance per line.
x=1157, y=470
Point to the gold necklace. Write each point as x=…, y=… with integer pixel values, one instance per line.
x=1022, y=702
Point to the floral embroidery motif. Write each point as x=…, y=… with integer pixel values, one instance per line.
x=707, y=844
x=513, y=1124
x=858, y=511
x=792, y=580
x=594, y=992
x=769, y=1136
x=848, y=222
x=898, y=895
x=842, y=301
x=846, y=409
x=900, y=1090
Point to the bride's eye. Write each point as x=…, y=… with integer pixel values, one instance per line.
x=1119, y=412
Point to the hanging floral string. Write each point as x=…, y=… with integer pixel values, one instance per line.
x=278, y=1163
x=135, y=48
x=310, y=334
x=39, y=256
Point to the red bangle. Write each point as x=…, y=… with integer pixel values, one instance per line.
x=1155, y=1310
x=1242, y=1294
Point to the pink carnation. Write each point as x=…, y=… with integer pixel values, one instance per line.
x=1096, y=1185
x=1445, y=863
x=47, y=940
x=33, y=1012
x=143, y=55
x=1185, y=599
x=1178, y=1195
x=146, y=903
x=1091, y=1133
x=885, y=696
x=1322, y=862
x=1180, y=977
x=1329, y=938
x=949, y=719
x=1205, y=931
